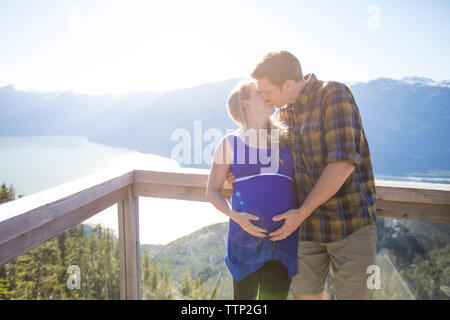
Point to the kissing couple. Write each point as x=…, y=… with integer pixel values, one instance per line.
x=303, y=186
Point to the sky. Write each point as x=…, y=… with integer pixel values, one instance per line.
x=111, y=46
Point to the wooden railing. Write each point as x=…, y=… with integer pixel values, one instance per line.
x=29, y=221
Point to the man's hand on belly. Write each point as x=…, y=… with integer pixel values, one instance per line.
x=293, y=218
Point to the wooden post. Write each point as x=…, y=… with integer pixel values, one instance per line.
x=128, y=213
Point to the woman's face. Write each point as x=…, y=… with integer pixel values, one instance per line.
x=257, y=103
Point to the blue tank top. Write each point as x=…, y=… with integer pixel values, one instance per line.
x=264, y=195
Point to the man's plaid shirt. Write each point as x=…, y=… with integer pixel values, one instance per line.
x=324, y=127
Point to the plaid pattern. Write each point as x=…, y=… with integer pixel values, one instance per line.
x=324, y=127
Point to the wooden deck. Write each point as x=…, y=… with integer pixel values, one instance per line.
x=29, y=221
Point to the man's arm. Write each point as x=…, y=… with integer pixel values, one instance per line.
x=342, y=128
x=330, y=181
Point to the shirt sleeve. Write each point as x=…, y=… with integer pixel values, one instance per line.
x=224, y=152
x=342, y=125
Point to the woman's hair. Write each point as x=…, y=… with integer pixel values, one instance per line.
x=234, y=106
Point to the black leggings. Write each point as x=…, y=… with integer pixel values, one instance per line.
x=270, y=281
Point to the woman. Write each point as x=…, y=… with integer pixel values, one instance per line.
x=261, y=268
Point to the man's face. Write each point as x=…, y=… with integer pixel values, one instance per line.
x=271, y=93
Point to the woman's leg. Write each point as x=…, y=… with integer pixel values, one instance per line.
x=247, y=288
x=274, y=281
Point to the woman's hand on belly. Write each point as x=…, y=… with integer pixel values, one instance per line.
x=244, y=220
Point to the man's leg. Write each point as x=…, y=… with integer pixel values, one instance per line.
x=350, y=258
x=320, y=296
x=313, y=262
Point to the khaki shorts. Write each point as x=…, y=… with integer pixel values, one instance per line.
x=349, y=257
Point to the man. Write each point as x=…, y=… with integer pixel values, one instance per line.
x=334, y=179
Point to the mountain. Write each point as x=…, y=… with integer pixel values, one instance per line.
x=400, y=118
x=401, y=245
x=406, y=124
x=150, y=129
x=418, y=253
x=24, y=113
x=202, y=252
x=405, y=121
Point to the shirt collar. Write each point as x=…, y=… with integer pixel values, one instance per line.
x=302, y=98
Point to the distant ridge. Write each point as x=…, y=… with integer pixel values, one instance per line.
x=400, y=117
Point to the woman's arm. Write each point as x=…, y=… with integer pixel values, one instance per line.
x=214, y=188
x=214, y=194
x=230, y=178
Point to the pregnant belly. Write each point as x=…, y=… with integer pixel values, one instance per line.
x=265, y=197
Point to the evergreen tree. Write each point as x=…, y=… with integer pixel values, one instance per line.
x=5, y=294
x=194, y=289
x=186, y=284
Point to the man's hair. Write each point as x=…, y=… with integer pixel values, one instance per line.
x=277, y=67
